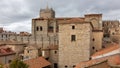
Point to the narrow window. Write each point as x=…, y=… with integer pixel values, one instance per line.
x=37, y=28
x=90, y=58
x=93, y=39
x=55, y=52
x=55, y=65
x=28, y=51
x=66, y=66
x=47, y=58
x=73, y=37
x=103, y=46
x=113, y=33
x=73, y=27
x=93, y=48
x=6, y=36
x=41, y=28
x=2, y=36
x=9, y=61
x=73, y=66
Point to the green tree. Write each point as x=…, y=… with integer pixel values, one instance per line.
x=1, y=66
x=18, y=64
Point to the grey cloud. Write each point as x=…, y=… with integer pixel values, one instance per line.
x=22, y=11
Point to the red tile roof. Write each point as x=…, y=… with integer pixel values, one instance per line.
x=74, y=20
x=106, y=50
x=24, y=34
x=112, y=60
x=39, y=62
x=6, y=51
x=93, y=15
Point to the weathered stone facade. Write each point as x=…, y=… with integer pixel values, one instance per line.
x=74, y=43
x=97, y=36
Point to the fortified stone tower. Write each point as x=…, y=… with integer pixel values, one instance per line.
x=47, y=13
x=95, y=19
x=44, y=28
x=74, y=42
x=97, y=31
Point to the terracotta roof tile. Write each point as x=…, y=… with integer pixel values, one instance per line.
x=106, y=50
x=24, y=34
x=112, y=60
x=39, y=62
x=6, y=51
x=93, y=15
x=73, y=21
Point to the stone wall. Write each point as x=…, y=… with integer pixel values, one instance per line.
x=73, y=52
x=96, y=40
x=7, y=58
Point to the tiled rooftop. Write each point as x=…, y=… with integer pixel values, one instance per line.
x=112, y=60
x=39, y=62
x=74, y=20
x=106, y=50
x=6, y=51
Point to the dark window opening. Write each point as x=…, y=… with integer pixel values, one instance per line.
x=55, y=52
x=96, y=50
x=27, y=51
x=113, y=33
x=50, y=28
x=103, y=46
x=9, y=61
x=6, y=36
x=90, y=58
x=93, y=39
x=73, y=27
x=93, y=48
x=37, y=28
x=73, y=37
x=66, y=66
x=73, y=66
x=47, y=58
x=55, y=65
x=2, y=36
x=41, y=28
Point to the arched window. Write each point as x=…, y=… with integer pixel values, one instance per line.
x=37, y=28
x=41, y=28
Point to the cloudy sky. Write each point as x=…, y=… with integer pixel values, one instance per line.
x=16, y=15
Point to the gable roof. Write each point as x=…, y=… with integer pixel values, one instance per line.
x=39, y=62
